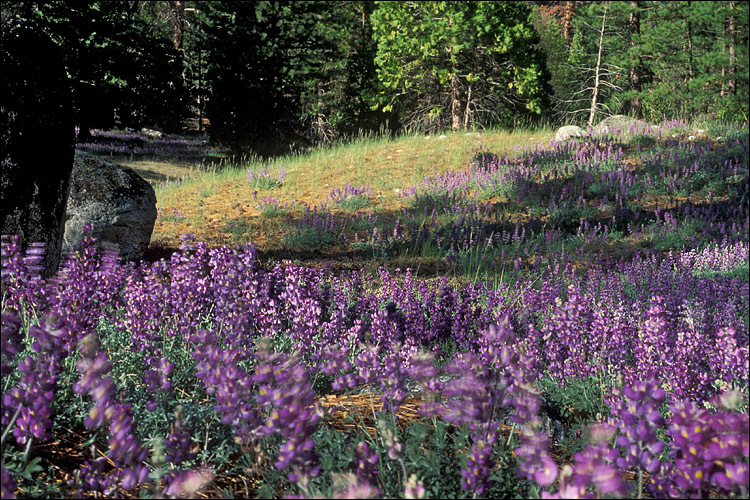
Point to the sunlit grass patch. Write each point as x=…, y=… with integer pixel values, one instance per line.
x=264, y=179
x=240, y=230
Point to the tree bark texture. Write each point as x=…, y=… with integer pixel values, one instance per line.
x=690, y=47
x=455, y=104
x=177, y=15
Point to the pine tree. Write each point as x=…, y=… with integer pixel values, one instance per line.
x=454, y=65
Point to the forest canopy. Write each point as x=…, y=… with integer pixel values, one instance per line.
x=265, y=76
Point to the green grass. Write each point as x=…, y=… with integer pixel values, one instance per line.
x=206, y=191
x=354, y=203
x=308, y=238
x=240, y=229
x=739, y=272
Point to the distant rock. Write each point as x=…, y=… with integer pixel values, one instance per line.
x=117, y=202
x=37, y=138
x=568, y=131
x=619, y=123
x=152, y=133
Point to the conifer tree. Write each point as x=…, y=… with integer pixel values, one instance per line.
x=456, y=65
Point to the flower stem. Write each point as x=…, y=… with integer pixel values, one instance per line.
x=10, y=424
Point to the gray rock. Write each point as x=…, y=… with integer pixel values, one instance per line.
x=619, y=123
x=152, y=133
x=38, y=137
x=568, y=131
x=118, y=203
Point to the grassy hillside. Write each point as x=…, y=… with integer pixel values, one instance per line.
x=343, y=204
x=203, y=205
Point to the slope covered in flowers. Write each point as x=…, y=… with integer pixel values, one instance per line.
x=212, y=372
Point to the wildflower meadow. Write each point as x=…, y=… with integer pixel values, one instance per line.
x=584, y=335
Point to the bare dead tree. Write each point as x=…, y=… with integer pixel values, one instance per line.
x=594, y=82
x=595, y=90
x=320, y=131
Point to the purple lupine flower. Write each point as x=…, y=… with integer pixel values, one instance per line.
x=481, y=389
x=285, y=391
x=178, y=442
x=24, y=289
x=94, y=366
x=566, y=489
x=478, y=467
x=36, y=388
x=393, y=380
x=414, y=488
x=367, y=363
x=90, y=477
x=231, y=385
x=709, y=450
x=264, y=178
x=335, y=363
x=424, y=371
x=354, y=488
x=537, y=464
x=389, y=435
x=87, y=279
x=366, y=462
x=637, y=418
x=337, y=195
x=156, y=380
x=594, y=466
x=729, y=359
x=734, y=478
x=124, y=449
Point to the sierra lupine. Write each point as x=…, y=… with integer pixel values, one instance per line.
x=285, y=393
x=33, y=397
x=618, y=311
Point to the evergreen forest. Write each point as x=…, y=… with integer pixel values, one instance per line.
x=264, y=77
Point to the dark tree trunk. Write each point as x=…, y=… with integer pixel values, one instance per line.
x=36, y=109
x=84, y=93
x=455, y=94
